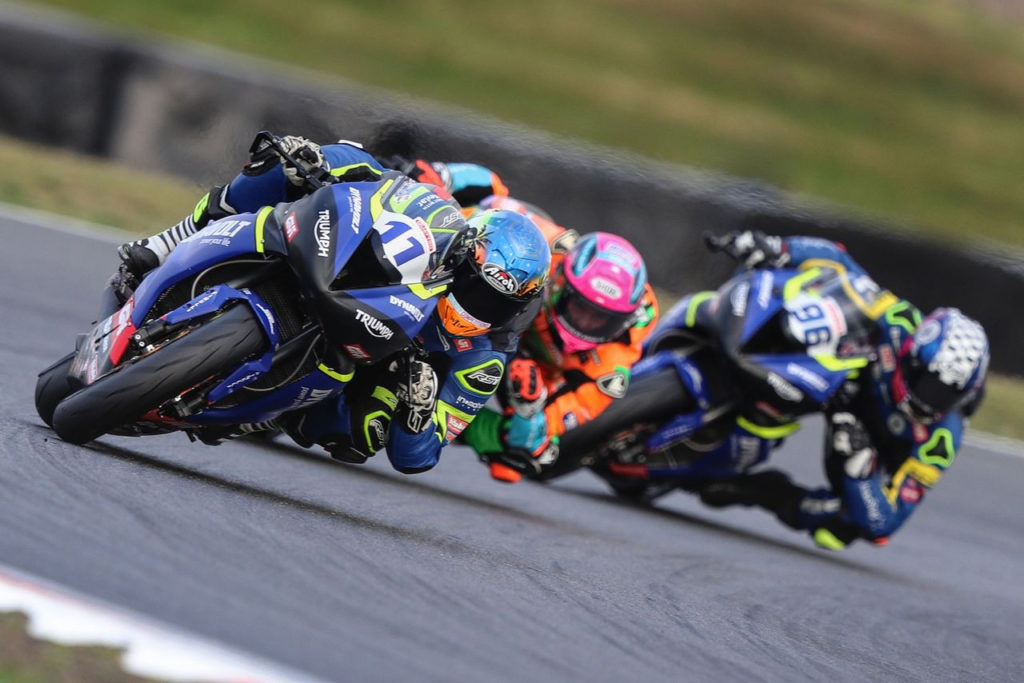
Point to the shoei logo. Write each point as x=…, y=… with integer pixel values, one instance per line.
x=409, y=308
x=606, y=287
x=499, y=278
x=322, y=227
x=374, y=326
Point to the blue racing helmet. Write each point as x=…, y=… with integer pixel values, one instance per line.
x=941, y=367
x=506, y=266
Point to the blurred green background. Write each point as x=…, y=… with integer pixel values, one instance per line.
x=901, y=110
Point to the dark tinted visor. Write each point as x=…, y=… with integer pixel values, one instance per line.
x=480, y=299
x=928, y=395
x=587, y=320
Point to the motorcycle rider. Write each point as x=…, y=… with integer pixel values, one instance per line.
x=412, y=407
x=575, y=357
x=892, y=431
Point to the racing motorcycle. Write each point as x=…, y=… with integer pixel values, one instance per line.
x=257, y=315
x=726, y=376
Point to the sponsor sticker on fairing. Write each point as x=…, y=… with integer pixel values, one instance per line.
x=291, y=227
x=463, y=344
x=373, y=325
x=322, y=228
x=357, y=351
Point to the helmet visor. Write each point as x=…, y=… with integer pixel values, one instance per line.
x=481, y=301
x=927, y=395
x=588, y=321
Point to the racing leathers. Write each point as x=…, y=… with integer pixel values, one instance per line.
x=548, y=391
x=879, y=462
x=367, y=416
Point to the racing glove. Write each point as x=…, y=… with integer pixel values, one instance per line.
x=528, y=447
x=524, y=387
x=852, y=443
x=416, y=393
x=307, y=157
x=750, y=248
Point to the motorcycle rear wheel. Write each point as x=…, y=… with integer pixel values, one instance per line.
x=142, y=385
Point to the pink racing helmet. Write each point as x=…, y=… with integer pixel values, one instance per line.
x=598, y=291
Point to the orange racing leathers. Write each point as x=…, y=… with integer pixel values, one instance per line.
x=578, y=386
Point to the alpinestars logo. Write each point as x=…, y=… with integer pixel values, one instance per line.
x=614, y=384
x=322, y=228
x=373, y=325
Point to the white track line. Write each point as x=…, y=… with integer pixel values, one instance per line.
x=60, y=615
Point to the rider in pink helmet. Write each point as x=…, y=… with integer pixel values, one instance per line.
x=597, y=291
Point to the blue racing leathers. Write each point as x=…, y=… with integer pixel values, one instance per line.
x=910, y=457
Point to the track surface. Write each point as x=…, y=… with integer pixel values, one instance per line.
x=360, y=573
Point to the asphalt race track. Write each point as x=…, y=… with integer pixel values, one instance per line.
x=361, y=573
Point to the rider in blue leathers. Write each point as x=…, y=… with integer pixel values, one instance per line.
x=413, y=408
x=893, y=430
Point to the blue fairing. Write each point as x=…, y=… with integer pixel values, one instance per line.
x=410, y=311
x=805, y=373
x=762, y=301
x=313, y=388
x=224, y=240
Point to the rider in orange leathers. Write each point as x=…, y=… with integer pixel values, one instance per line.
x=575, y=358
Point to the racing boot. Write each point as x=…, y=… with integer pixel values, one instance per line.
x=141, y=256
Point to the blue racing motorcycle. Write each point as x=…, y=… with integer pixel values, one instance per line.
x=725, y=377
x=261, y=314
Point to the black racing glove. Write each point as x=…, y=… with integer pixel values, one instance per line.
x=750, y=248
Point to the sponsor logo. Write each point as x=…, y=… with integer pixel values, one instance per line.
x=614, y=384
x=911, y=491
x=450, y=217
x=784, y=389
x=242, y=381
x=200, y=301
x=764, y=289
x=812, y=379
x=463, y=344
x=322, y=227
x=291, y=227
x=409, y=308
x=920, y=432
x=357, y=351
x=738, y=299
x=373, y=325
x=748, y=452
x=870, y=502
x=224, y=228
x=424, y=229
x=428, y=201
x=309, y=396
x=379, y=429
x=605, y=287
x=269, y=315
x=472, y=405
x=355, y=207
x=888, y=358
x=499, y=278
x=455, y=427
x=485, y=376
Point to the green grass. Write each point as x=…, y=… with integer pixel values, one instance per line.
x=901, y=108
x=24, y=659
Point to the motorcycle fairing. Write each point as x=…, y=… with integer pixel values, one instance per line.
x=317, y=386
x=224, y=240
